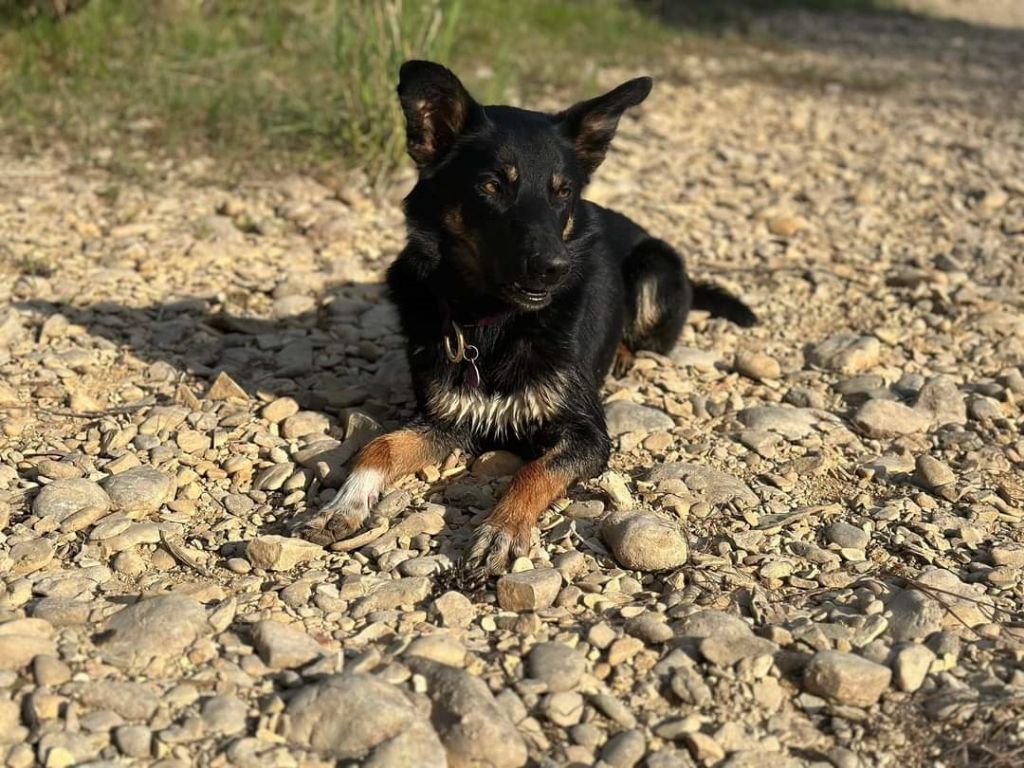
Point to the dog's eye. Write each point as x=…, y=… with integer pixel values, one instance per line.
x=489, y=187
x=563, y=192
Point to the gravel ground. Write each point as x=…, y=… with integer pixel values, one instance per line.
x=184, y=368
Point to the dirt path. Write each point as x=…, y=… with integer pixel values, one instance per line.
x=185, y=367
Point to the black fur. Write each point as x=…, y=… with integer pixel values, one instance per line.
x=545, y=284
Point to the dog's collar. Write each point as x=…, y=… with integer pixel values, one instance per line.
x=453, y=340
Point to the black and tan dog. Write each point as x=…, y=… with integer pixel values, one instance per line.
x=515, y=296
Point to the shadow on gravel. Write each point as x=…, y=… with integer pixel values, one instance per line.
x=877, y=48
x=344, y=352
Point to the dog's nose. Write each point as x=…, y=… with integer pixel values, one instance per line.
x=546, y=269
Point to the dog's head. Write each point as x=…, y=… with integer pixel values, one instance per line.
x=503, y=183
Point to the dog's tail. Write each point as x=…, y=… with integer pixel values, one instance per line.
x=720, y=303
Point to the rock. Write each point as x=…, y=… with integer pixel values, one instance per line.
x=717, y=624
x=847, y=536
x=846, y=353
x=645, y=541
x=941, y=401
x=623, y=416
x=152, y=631
x=911, y=665
x=846, y=678
x=887, y=418
x=224, y=715
x=304, y=423
x=757, y=366
x=129, y=700
x=63, y=498
x=713, y=486
x=785, y=225
x=935, y=476
x=441, y=647
x=18, y=649
x=134, y=741
x=530, y=590
x=791, y=423
x=279, y=410
x=474, y=730
x=614, y=485
x=11, y=729
x=456, y=609
x=914, y=615
x=557, y=665
x=225, y=388
x=650, y=627
x=393, y=594
x=138, y=491
x=564, y=709
x=965, y=605
x=358, y=717
x=725, y=653
x=281, y=553
x=704, y=749
x=1012, y=554
x=497, y=464
x=284, y=646
x=624, y=750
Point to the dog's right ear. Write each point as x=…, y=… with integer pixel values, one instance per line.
x=437, y=107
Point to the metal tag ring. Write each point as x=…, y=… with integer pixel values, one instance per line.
x=459, y=353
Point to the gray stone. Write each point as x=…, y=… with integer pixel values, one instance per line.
x=845, y=535
x=645, y=541
x=623, y=416
x=791, y=423
x=138, y=491
x=846, y=678
x=357, y=717
x=152, y=631
x=284, y=646
x=63, y=498
x=713, y=486
x=724, y=626
x=887, y=418
x=942, y=402
x=529, y=590
x=911, y=665
x=473, y=728
x=557, y=665
x=846, y=353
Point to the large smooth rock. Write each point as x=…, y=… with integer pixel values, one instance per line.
x=623, y=417
x=846, y=678
x=63, y=498
x=644, y=541
x=474, y=729
x=358, y=717
x=153, y=631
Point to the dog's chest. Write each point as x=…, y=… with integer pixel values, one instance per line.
x=494, y=414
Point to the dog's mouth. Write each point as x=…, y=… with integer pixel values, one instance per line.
x=528, y=298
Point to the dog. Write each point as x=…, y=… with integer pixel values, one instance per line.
x=515, y=296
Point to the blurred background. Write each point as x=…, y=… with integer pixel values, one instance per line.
x=309, y=84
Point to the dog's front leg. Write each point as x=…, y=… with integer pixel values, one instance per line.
x=382, y=461
x=581, y=453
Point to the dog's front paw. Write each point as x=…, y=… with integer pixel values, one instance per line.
x=496, y=545
x=342, y=517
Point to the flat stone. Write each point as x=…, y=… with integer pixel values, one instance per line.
x=911, y=665
x=151, y=631
x=529, y=590
x=557, y=665
x=473, y=728
x=791, y=423
x=440, y=647
x=138, y=491
x=18, y=650
x=887, y=418
x=718, y=624
x=356, y=717
x=623, y=416
x=645, y=541
x=845, y=535
x=284, y=646
x=726, y=653
x=281, y=553
x=942, y=402
x=846, y=678
x=846, y=353
x=305, y=423
x=713, y=486
x=63, y=498
x=130, y=700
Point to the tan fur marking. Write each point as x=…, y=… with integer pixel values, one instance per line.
x=533, y=489
x=396, y=454
x=511, y=172
x=568, y=228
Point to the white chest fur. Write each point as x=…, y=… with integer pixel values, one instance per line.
x=499, y=416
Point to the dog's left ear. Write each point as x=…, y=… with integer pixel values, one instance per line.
x=437, y=107
x=590, y=125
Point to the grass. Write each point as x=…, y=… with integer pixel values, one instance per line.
x=282, y=84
